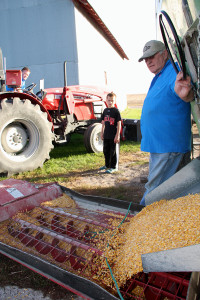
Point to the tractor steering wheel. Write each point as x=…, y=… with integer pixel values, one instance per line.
x=173, y=44
x=30, y=87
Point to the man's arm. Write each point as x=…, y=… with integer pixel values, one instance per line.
x=183, y=88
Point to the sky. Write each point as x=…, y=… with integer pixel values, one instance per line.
x=133, y=24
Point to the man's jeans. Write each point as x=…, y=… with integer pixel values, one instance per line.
x=161, y=167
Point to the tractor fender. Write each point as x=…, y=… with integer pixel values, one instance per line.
x=24, y=96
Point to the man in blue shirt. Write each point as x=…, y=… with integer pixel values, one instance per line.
x=166, y=116
x=25, y=74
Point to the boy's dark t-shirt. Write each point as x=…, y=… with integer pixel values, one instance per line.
x=110, y=116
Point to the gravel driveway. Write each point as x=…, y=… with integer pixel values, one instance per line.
x=14, y=292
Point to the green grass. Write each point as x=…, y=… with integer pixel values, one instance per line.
x=131, y=113
x=64, y=160
x=70, y=160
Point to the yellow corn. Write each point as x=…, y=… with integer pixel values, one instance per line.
x=160, y=226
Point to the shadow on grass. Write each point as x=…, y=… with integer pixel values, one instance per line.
x=56, y=176
x=74, y=147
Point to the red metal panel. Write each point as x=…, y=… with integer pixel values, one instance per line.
x=69, y=99
x=18, y=195
x=12, y=189
x=13, y=77
x=84, y=111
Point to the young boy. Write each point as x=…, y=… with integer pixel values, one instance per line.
x=110, y=134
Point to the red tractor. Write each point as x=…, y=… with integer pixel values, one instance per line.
x=30, y=124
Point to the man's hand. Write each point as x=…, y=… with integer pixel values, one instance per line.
x=183, y=88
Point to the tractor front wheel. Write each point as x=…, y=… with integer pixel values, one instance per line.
x=92, y=138
x=25, y=136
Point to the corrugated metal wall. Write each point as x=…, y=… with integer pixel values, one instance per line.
x=40, y=34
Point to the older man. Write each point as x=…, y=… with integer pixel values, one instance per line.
x=166, y=116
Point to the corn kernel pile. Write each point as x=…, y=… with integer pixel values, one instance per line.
x=160, y=226
x=62, y=202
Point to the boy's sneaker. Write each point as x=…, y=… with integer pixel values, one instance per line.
x=109, y=171
x=103, y=168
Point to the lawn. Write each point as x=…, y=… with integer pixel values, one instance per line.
x=73, y=157
x=131, y=113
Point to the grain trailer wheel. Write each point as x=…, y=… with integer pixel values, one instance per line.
x=92, y=138
x=172, y=42
x=25, y=136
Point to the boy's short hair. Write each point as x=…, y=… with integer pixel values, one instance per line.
x=26, y=69
x=111, y=95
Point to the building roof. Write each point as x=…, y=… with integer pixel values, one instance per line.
x=90, y=14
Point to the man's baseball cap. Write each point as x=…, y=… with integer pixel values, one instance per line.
x=151, y=48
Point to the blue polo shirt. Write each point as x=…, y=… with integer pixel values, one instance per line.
x=23, y=84
x=166, y=119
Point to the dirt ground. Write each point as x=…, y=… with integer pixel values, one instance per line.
x=125, y=184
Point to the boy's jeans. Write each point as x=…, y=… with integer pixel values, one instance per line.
x=161, y=167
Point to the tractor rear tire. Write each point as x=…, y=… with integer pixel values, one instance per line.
x=92, y=138
x=25, y=136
